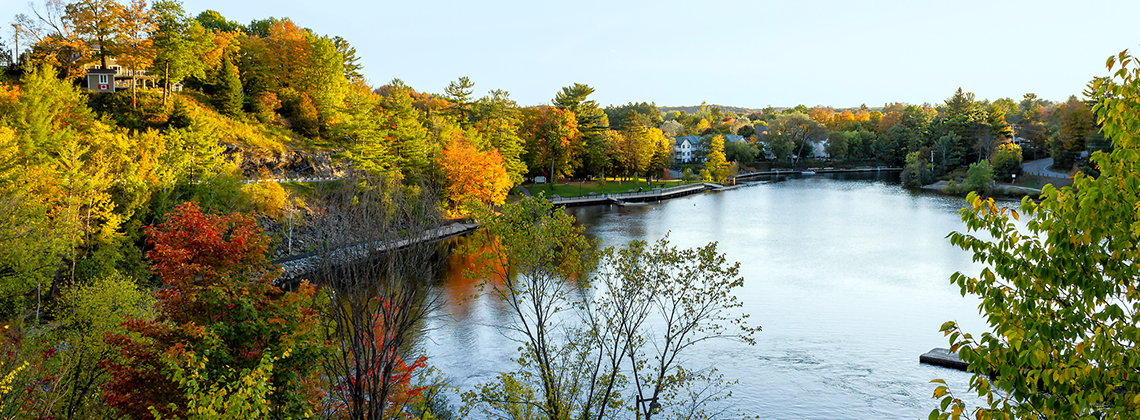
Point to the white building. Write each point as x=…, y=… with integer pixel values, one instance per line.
x=684, y=148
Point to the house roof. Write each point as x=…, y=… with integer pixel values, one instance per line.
x=100, y=71
x=681, y=139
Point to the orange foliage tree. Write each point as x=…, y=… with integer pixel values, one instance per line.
x=474, y=177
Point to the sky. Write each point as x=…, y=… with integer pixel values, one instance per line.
x=739, y=53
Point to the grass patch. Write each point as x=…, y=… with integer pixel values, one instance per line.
x=1036, y=181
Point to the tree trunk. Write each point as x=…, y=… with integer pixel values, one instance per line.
x=166, y=83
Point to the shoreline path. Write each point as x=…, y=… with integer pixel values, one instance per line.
x=1042, y=167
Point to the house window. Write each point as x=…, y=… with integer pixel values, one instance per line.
x=102, y=79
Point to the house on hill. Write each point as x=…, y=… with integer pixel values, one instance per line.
x=115, y=77
x=684, y=148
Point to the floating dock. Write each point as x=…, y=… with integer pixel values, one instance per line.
x=944, y=358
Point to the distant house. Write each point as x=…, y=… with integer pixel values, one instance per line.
x=732, y=138
x=115, y=77
x=100, y=80
x=761, y=132
x=684, y=148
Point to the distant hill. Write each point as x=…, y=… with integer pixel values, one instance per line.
x=697, y=108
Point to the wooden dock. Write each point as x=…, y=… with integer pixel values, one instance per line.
x=632, y=197
x=297, y=267
x=944, y=358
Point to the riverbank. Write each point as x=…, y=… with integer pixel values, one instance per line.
x=1003, y=189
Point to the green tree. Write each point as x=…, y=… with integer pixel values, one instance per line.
x=1059, y=294
x=918, y=170
x=779, y=145
x=1077, y=126
x=460, y=92
x=213, y=21
x=350, y=62
x=400, y=122
x=592, y=123
x=1006, y=161
x=838, y=143
x=646, y=307
x=229, y=98
x=544, y=249
x=179, y=42
x=979, y=177
x=498, y=120
x=800, y=129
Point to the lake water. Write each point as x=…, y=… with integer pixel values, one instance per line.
x=848, y=276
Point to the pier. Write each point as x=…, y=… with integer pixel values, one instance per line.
x=298, y=267
x=633, y=197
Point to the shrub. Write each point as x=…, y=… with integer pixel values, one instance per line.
x=979, y=177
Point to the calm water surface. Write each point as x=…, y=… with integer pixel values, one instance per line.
x=847, y=277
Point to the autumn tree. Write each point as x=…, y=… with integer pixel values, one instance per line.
x=552, y=138
x=134, y=48
x=219, y=304
x=636, y=146
x=54, y=38
x=1058, y=293
x=473, y=177
x=99, y=23
x=280, y=57
x=716, y=166
x=662, y=154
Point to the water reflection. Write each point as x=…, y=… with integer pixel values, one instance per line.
x=848, y=275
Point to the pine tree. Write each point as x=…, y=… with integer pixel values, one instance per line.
x=229, y=97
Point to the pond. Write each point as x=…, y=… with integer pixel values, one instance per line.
x=847, y=275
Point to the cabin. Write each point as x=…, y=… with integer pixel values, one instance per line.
x=101, y=80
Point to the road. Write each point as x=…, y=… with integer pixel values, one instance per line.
x=1041, y=167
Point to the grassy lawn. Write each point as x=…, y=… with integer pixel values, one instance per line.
x=577, y=188
x=1034, y=181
